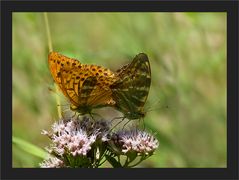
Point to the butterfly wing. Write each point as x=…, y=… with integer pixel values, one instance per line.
x=131, y=90
x=58, y=63
x=77, y=85
x=102, y=94
x=121, y=70
x=82, y=84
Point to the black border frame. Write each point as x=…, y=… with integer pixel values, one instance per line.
x=230, y=7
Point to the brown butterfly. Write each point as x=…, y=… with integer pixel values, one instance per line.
x=131, y=90
x=85, y=86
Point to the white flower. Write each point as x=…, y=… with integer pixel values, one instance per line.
x=52, y=162
x=137, y=141
x=76, y=137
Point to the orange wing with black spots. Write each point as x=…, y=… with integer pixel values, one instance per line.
x=85, y=86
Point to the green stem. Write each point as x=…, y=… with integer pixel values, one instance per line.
x=141, y=159
x=102, y=162
x=50, y=50
x=48, y=32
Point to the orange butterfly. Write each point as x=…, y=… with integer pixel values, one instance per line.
x=85, y=86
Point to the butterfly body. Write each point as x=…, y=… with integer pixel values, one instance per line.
x=131, y=90
x=85, y=86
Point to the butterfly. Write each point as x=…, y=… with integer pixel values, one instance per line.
x=131, y=90
x=85, y=86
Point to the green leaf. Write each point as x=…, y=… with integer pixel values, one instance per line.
x=113, y=161
x=132, y=156
x=29, y=148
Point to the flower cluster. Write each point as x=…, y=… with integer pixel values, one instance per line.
x=52, y=162
x=89, y=143
x=76, y=137
x=137, y=141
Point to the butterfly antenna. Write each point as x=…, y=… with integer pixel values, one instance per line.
x=156, y=102
x=154, y=109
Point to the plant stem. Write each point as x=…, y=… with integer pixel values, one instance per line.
x=141, y=159
x=50, y=50
x=48, y=32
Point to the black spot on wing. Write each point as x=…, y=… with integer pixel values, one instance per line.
x=87, y=87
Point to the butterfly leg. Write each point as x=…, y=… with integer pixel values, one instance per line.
x=98, y=115
x=77, y=118
x=143, y=124
x=117, y=123
x=126, y=124
x=74, y=115
x=62, y=113
x=116, y=118
x=92, y=117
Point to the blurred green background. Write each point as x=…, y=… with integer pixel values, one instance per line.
x=187, y=52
